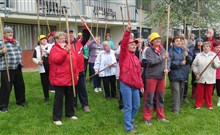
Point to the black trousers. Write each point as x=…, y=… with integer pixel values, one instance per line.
x=81, y=91
x=60, y=92
x=45, y=83
x=112, y=81
x=217, y=86
x=85, y=65
x=120, y=100
x=16, y=79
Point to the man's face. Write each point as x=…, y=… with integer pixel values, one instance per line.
x=9, y=35
x=72, y=36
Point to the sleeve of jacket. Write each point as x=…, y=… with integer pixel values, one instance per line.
x=58, y=56
x=195, y=65
x=97, y=62
x=124, y=45
x=216, y=62
x=86, y=35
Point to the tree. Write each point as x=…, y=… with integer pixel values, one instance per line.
x=209, y=13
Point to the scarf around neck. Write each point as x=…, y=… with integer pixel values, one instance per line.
x=10, y=40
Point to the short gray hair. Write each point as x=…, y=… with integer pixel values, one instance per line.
x=59, y=34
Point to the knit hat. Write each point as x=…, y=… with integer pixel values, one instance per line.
x=7, y=30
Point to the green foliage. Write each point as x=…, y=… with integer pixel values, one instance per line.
x=104, y=119
x=209, y=12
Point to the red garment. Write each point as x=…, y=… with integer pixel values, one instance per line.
x=157, y=49
x=218, y=70
x=204, y=91
x=212, y=40
x=154, y=86
x=130, y=66
x=79, y=55
x=60, y=73
x=10, y=40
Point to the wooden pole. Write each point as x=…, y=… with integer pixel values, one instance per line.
x=161, y=25
x=122, y=19
x=60, y=17
x=140, y=36
x=38, y=26
x=199, y=17
x=97, y=25
x=185, y=33
x=70, y=53
x=84, y=23
x=106, y=23
x=3, y=45
x=168, y=33
x=48, y=26
x=128, y=11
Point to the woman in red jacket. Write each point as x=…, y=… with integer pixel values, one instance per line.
x=60, y=77
x=130, y=79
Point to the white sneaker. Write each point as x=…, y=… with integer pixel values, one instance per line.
x=96, y=90
x=58, y=123
x=218, y=104
x=74, y=118
x=99, y=89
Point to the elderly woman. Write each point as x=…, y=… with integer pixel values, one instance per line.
x=60, y=77
x=40, y=57
x=155, y=56
x=177, y=76
x=94, y=50
x=130, y=79
x=205, y=79
x=106, y=60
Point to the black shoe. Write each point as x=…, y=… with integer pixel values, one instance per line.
x=4, y=110
x=23, y=105
x=46, y=100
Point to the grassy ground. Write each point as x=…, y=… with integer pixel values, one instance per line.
x=104, y=119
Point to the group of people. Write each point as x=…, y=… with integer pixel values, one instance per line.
x=64, y=65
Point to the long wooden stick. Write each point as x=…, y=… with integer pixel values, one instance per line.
x=45, y=14
x=70, y=53
x=199, y=17
x=81, y=19
x=122, y=19
x=106, y=23
x=128, y=11
x=38, y=26
x=97, y=25
x=161, y=25
x=3, y=45
x=140, y=36
x=168, y=28
x=185, y=33
x=102, y=70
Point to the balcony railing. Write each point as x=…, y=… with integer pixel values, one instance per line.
x=87, y=8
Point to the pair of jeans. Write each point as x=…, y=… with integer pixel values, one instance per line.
x=131, y=100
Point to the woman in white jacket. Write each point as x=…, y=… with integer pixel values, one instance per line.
x=40, y=57
x=106, y=59
x=206, y=81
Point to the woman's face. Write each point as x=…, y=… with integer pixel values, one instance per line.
x=107, y=47
x=61, y=39
x=217, y=48
x=156, y=42
x=177, y=42
x=132, y=47
x=206, y=48
x=43, y=41
x=200, y=43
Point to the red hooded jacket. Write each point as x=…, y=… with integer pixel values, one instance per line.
x=130, y=65
x=60, y=73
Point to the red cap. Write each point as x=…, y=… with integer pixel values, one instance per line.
x=51, y=34
x=132, y=40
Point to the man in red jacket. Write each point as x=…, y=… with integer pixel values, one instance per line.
x=81, y=89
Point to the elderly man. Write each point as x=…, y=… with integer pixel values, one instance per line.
x=13, y=53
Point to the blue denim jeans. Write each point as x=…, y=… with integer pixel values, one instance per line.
x=131, y=100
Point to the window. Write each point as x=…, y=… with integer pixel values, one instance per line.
x=145, y=6
x=145, y=32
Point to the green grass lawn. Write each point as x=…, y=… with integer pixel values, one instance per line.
x=104, y=119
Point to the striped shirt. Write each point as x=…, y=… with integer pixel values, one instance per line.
x=13, y=55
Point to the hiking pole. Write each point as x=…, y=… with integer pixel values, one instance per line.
x=106, y=23
x=45, y=14
x=128, y=11
x=122, y=18
x=102, y=70
x=70, y=53
x=84, y=23
x=38, y=27
x=140, y=36
x=3, y=45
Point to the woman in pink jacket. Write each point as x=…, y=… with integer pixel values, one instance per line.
x=130, y=79
x=217, y=85
x=60, y=77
